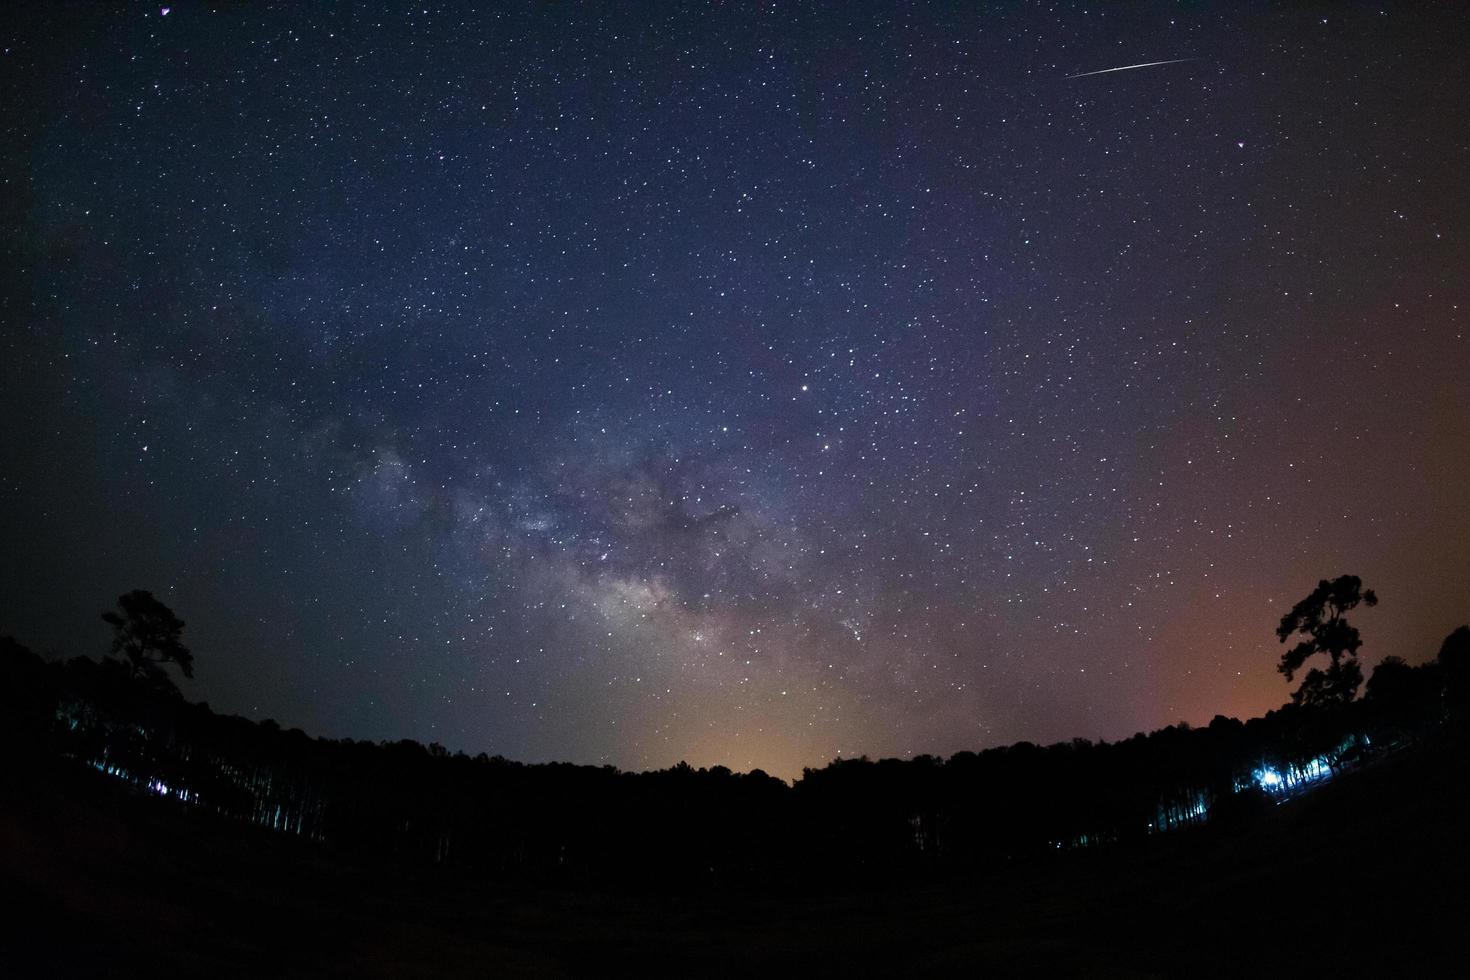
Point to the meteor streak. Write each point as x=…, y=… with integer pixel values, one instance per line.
x=1146, y=64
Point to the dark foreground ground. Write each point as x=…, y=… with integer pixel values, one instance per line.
x=1365, y=877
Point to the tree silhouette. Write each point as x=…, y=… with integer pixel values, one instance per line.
x=1456, y=648
x=1454, y=660
x=146, y=633
x=1319, y=617
x=1389, y=678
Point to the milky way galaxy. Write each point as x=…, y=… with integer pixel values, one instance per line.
x=743, y=384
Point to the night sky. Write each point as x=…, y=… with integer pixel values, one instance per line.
x=747, y=384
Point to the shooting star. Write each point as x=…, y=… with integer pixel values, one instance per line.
x=1146, y=64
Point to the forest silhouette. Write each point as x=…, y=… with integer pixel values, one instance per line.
x=854, y=822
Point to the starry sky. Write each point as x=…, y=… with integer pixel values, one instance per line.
x=747, y=383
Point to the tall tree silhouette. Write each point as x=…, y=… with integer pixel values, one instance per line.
x=146, y=633
x=1319, y=618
